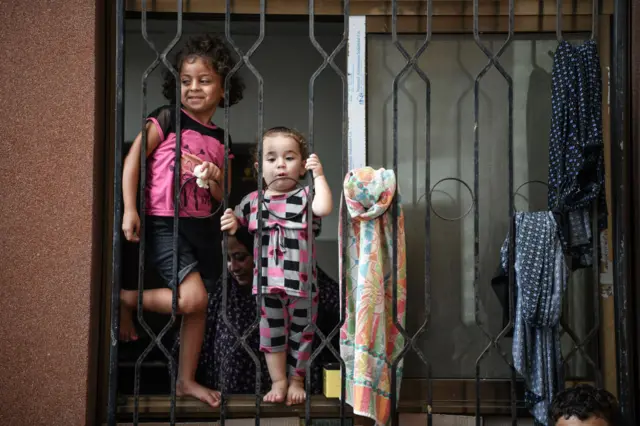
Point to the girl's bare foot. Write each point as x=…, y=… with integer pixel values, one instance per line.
x=196, y=390
x=127, y=304
x=278, y=392
x=295, y=393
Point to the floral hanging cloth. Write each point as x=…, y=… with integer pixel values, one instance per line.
x=369, y=340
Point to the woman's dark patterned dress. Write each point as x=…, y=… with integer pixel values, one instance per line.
x=234, y=371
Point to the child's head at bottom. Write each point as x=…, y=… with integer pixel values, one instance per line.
x=584, y=405
x=284, y=155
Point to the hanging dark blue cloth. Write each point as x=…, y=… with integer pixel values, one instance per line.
x=576, y=149
x=541, y=278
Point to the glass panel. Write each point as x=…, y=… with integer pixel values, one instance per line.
x=453, y=341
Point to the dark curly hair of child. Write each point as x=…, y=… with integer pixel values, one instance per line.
x=585, y=402
x=214, y=50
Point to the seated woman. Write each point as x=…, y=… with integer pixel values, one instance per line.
x=235, y=371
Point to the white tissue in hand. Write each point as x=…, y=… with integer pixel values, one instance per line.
x=197, y=171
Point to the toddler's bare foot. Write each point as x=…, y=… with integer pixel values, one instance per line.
x=127, y=327
x=278, y=391
x=196, y=390
x=295, y=393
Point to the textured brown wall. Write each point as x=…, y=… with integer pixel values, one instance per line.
x=50, y=92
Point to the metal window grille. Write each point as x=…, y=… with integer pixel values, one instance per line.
x=619, y=121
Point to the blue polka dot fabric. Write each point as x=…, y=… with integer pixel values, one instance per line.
x=541, y=278
x=576, y=149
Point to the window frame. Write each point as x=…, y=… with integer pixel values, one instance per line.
x=449, y=396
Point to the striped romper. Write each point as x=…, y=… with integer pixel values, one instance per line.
x=285, y=273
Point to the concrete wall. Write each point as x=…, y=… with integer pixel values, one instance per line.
x=50, y=166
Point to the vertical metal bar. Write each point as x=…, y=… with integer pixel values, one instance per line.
x=343, y=252
x=327, y=60
x=476, y=212
x=240, y=339
x=620, y=147
x=116, y=267
x=394, y=25
x=156, y=340
x=427, y=225
x=394, y=215
x=343, y=273
x=595, y=232
x=595, y=16
x=582, y=345
x=511, y=212
x=343, y=230
x=493, y=341
x=142, y=244
x=225, y=201
x=559, y=17
x=225, y=249
x=260, y=201
x=176, y=220
x=559, y=39
x=263, y=6
x=244, y=59
x=512, y=279
x=310, y=195
x=410, y=341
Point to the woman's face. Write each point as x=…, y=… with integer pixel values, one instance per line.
x=239, y=262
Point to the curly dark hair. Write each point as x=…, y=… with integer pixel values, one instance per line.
x=214, y=50
x=584, y=402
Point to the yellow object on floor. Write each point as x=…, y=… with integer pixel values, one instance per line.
x=332, y=381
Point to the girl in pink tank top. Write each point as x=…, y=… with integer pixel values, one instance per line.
x=203, y=65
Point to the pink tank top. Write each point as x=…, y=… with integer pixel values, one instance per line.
x=206, y=141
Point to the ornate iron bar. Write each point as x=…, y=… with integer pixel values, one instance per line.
x=156, y=340
x=578, y=345
x=244, y=60
x=620, y=144
x=328, y=60
x=493, y=342
x=116, y=249
x=411, y=341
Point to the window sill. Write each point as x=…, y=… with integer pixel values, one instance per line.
x=449, y=397
x=453, y=396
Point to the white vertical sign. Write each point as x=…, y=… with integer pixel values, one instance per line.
x=357, y=86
